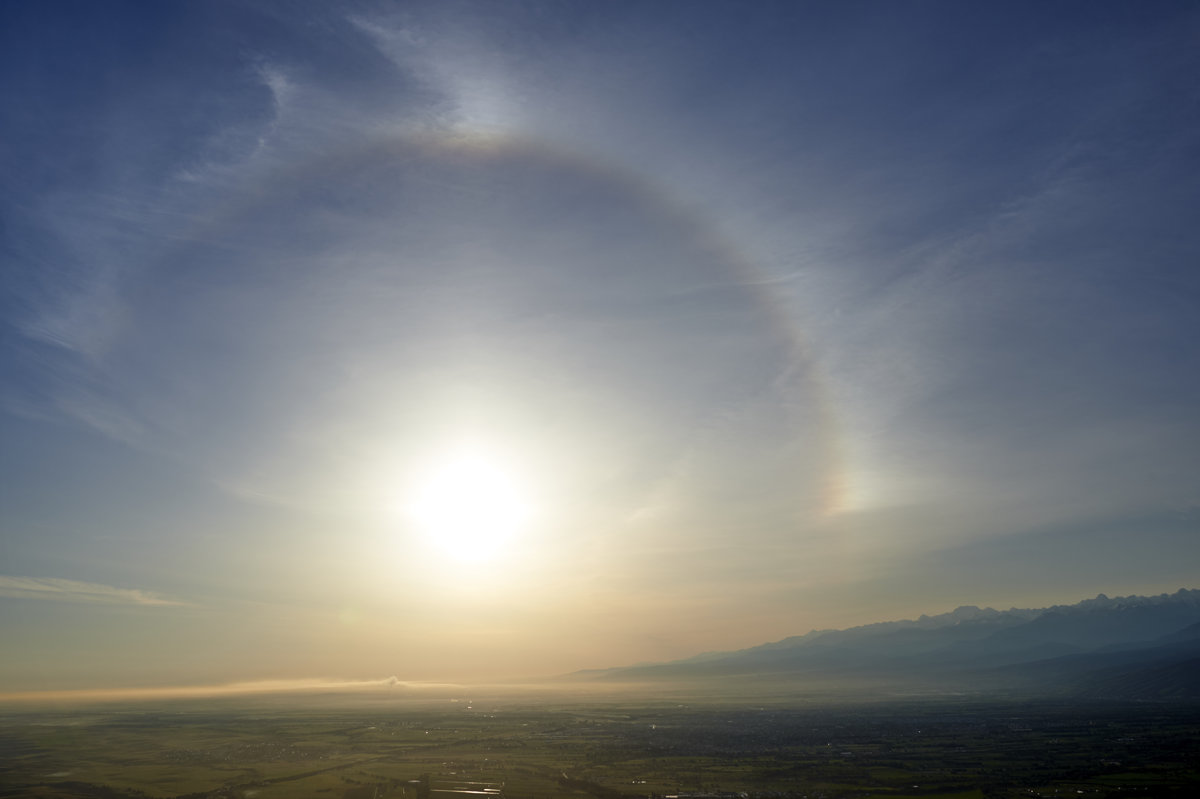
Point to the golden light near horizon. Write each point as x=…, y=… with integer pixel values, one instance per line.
x=470, y=505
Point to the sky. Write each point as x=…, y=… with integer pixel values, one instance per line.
x=473, y=341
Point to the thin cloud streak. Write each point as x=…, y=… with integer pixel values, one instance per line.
x=62, y=590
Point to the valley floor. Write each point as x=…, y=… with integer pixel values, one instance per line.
x=952, y=749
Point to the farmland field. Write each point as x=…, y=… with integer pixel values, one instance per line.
x=538, y=750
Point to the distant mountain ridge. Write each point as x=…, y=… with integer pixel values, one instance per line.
x=1063, y=648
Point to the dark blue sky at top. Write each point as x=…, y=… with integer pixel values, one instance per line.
x=717, y=255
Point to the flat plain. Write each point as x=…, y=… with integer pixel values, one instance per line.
x=606, y=749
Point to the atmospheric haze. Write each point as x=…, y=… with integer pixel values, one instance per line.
x=473, y=341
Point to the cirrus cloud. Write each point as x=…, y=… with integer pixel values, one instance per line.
x=63, y=590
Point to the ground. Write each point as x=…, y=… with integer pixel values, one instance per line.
x=952, y=749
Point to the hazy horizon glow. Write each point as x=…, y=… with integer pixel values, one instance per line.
x=243, y=689
x=473, y=342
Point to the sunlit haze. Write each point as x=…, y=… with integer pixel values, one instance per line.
x=480, y=341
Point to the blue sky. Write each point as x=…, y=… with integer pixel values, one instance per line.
x=728, y=321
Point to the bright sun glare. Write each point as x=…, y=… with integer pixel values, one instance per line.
x=470, y=507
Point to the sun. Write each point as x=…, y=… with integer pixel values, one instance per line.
x=470, y=506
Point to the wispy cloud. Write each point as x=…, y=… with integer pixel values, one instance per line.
x=61, y=590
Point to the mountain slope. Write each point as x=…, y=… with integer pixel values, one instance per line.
x=1061, y=648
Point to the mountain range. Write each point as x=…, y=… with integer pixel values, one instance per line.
x=1133, y=647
